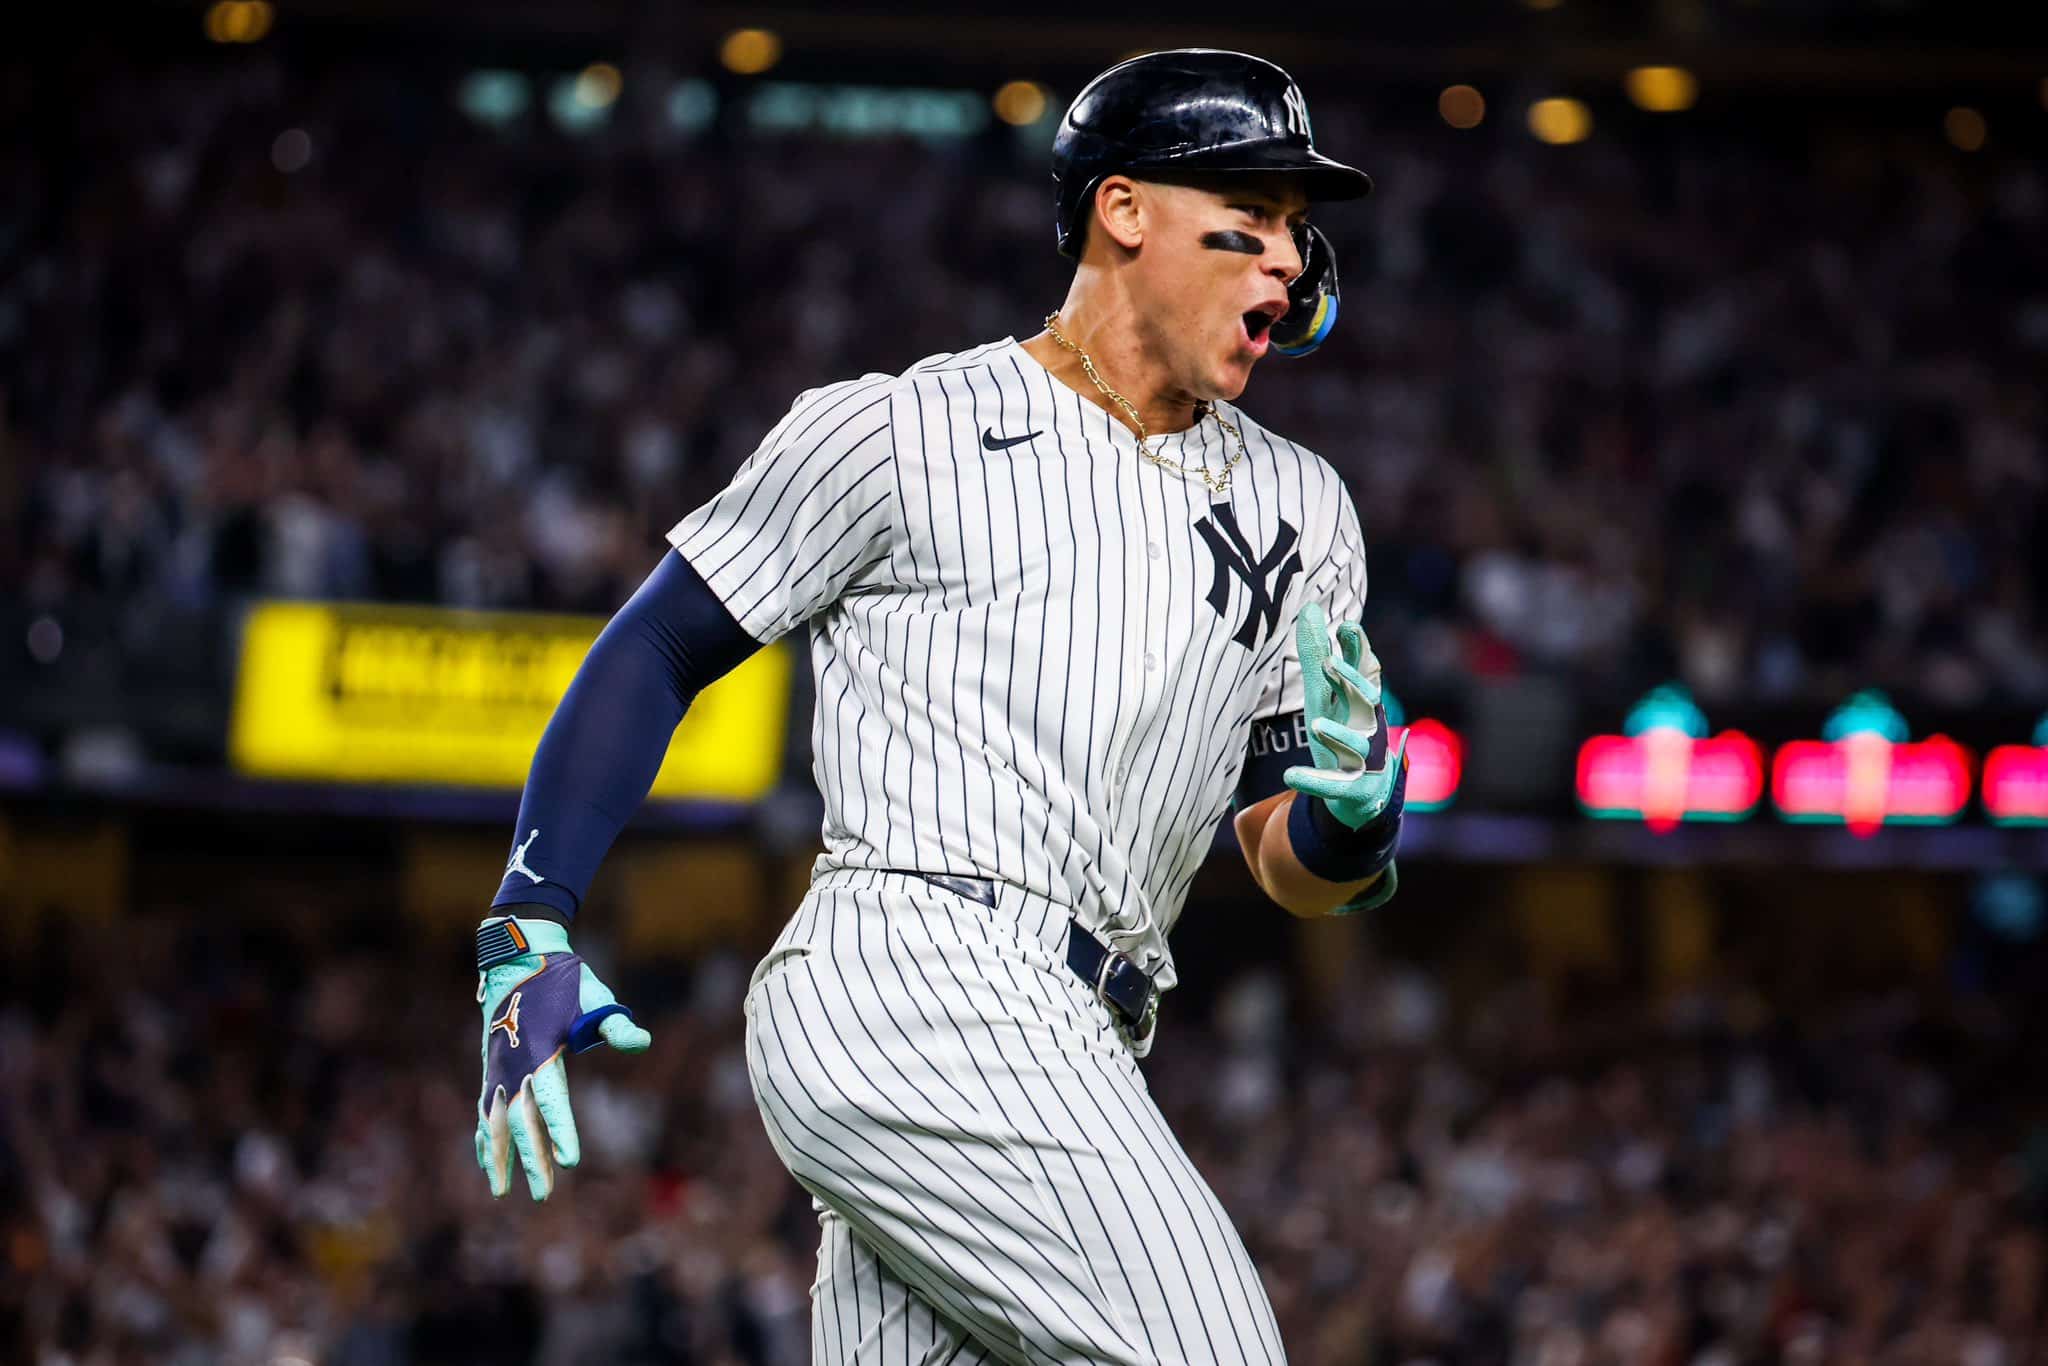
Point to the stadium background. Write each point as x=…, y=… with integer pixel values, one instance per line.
x=353, y=357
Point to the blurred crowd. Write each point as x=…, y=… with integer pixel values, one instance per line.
x=1758, y=407
x=220, y=1145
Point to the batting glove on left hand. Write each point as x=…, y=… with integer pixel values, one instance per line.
x=540, y=1002
x=1347, y=724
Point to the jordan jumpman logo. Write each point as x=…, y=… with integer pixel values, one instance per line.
x=518, y=863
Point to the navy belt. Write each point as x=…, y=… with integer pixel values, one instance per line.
x=1115, y=978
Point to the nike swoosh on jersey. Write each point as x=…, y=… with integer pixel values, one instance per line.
x=990, y=441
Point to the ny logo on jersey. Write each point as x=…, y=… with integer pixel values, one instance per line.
x=1235, y=557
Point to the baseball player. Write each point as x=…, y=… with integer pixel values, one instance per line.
x=1067, y=605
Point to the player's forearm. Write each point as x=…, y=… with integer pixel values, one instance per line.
x=605, y=742
x=1279, y=869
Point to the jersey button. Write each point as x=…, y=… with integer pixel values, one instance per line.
x=1153, y=550
x=1151, y=661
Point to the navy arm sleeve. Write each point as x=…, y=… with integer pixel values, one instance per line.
x=604, y=744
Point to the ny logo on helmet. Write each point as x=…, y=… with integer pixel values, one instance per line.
x=1297, y=111
x=1235, y=558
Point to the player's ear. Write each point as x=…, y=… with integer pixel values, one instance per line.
x=1118, y=212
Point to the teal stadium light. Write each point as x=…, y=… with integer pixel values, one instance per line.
x=867, y=111
x=584, y=101
x=494, y=98
x=692, y=105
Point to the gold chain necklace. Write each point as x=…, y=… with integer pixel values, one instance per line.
x=1217, y=482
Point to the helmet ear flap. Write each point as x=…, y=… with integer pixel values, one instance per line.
x=1311, y=296
x=1076, y=207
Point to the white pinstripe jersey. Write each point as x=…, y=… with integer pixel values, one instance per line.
x=1038, y=656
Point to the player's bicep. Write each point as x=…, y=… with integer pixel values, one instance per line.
x=812, y=510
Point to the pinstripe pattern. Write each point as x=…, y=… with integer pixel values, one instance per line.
x=1023, y=675
x=863, y=1312
x=1018, y=675
x=928, y=1069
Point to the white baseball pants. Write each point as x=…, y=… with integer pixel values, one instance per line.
x=994, y=1181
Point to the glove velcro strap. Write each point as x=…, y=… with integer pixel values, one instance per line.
x=503, y=939
x=499, y=941
x=584, y=1034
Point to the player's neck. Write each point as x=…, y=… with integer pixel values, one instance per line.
x=1104, y=325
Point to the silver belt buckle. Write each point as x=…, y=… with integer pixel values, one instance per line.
x=1109, y=961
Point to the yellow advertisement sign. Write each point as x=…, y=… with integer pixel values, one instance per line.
x=376, y=694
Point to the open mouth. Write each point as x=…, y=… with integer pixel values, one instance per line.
x=1258, y=322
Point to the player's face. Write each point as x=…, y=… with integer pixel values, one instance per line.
x=1217, y=258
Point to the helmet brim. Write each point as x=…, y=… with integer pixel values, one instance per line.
x=1322, y=179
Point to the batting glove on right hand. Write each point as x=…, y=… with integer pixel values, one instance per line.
x=540, y=1002
x=1354, y=776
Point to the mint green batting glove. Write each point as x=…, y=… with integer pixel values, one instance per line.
x=541, y=1002
x=1354, y=776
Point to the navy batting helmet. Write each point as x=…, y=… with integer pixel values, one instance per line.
x=1204, y=109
